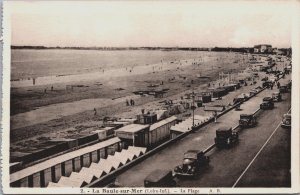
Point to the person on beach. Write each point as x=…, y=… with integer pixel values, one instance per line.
x=95, y=112
x=51, y=88
x=127, y=103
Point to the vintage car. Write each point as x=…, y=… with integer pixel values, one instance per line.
x=193, y=162
x=160, y=178
x=286, y=121
x=283, y=89
x=267, y=84
x=276, y=96
x=254, y=91
x=267, y=103
x=225, y=137
x=289, y=85
x=238, y=99
x=247, y=120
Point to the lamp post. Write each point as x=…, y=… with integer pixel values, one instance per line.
x=193, y=108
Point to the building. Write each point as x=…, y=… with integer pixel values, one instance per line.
x=263, y=48
x=134, y=135
x=51, y=170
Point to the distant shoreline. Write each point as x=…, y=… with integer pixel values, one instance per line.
x=228, y=49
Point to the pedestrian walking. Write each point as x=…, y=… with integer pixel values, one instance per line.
x=127, y=103
x=95, y=112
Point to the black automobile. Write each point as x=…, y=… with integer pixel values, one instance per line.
x=247, y=120
x=283, y=89
x=193, y=161
x=225, y=137
x=267, y=103
x=289, y=85
x=267, y=84
x=286, y=121
x=160, y=178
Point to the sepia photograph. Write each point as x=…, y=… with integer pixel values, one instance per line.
x=150, y=97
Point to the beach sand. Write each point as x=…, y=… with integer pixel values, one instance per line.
x=35, y=113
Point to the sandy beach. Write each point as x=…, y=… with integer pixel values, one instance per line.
x=37, y=113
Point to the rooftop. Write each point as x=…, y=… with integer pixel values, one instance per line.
x=132, y=128
x=162, y=122
x=59, y=159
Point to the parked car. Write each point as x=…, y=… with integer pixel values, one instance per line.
x=193, y=162
x=276, y=96
x=289, y=85
x=267, y=84
x=254, y=91
x=225, y=137
x=238, y=99
x=267, y=103
x=286, y=121
x=247, y=120
x=160, y=178
x=283, y=89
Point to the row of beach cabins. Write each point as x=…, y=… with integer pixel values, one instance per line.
x=129, y=142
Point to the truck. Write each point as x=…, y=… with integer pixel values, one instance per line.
x=193, y=162
x=225, y=137
x=160, y=178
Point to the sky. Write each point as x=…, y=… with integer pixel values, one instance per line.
x=151, y=23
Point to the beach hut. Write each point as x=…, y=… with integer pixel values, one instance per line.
x=51, y=170
x=134, y=135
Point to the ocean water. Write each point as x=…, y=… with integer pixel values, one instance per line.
x=58, y=62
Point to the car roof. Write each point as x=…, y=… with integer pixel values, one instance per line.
x=224, y=129
x=191, y=154
x=193, y=151
x=267, y=98
x=246, y=115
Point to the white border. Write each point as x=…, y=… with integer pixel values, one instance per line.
x=295, y=123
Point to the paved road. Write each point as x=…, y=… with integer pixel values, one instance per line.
x=227, y=165
x=224, y=162
x=272, y=166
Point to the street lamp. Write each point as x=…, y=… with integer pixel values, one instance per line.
x=193, y=107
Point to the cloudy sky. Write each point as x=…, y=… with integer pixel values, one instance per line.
x=151, y=23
